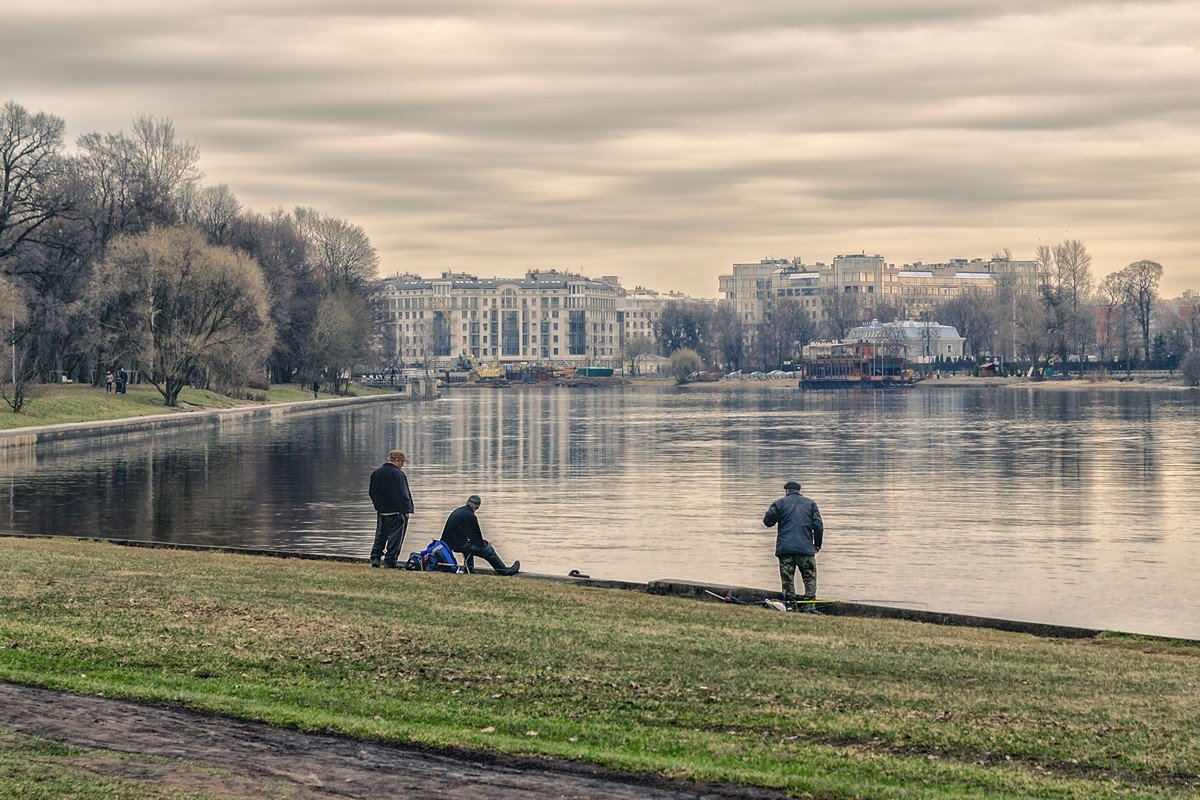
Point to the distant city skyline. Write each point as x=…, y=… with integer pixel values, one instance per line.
x=657, y=141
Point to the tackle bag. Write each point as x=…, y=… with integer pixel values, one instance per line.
x=436, y=557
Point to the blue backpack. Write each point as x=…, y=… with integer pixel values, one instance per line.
x=436, y=557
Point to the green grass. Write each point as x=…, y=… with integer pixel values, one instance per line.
x=54, y=404
x=823, y=707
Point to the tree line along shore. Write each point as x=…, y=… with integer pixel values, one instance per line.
x=830, y=707
x=116, y=257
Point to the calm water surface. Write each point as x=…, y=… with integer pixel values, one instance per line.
x=1068, y=506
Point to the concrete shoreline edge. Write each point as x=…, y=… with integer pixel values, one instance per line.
x=154, y=423
x=671, y=587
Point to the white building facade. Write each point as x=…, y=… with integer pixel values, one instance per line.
x=549, y=316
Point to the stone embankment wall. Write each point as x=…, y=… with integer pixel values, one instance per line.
x=66, y=432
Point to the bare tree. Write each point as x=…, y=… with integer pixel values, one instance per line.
x=635, y=348
x=887, y=310
x=343, y=335
x=974, y=314
x=131, y=182
x=1065, y=282
x=212, y=210
x=31, y=168
x=1141, y=288
x=1113, y=311
x=841, y=311
x=294, y=287
x=788, y=329
x=341, y=252
x=730, y=335
x=1033, y=328
x=176, y=304
x=685, y=324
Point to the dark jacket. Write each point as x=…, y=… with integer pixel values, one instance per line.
x=462, y=526
x=389, y=490
x=800, y=525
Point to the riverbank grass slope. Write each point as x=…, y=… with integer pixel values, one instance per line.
x=818, y=706
x=59, y=403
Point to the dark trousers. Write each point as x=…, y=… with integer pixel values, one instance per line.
x=389, y=537
x=487, y=553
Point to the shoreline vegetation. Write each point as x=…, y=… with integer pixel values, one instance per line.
x=829, y=707
x=56, y=404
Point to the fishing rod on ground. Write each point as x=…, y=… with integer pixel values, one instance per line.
x=769, y=603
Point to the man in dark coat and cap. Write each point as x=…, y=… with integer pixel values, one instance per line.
x=798, y=540
x=393, y=504
x=463, y=535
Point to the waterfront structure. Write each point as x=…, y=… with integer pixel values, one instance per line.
x=919, y=341
x=548, y=316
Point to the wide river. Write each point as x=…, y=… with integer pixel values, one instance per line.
x=1073, y=506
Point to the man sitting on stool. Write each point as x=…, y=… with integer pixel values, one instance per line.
x=462, y=534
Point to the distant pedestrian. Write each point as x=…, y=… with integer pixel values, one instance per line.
x=463, y=535
x=316, y=387
x=393, y=504
x=798, y=540
x=108, y=382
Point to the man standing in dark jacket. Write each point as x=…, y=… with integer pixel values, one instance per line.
x=798, y=541
x=393, y=503
x=462, y=535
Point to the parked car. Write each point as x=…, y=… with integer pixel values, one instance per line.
x=758, y=376
x=735, y=376
x=776, y=373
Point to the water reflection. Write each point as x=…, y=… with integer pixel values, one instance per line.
x=1073, y=506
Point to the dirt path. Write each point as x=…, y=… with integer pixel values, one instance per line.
x=228, y=758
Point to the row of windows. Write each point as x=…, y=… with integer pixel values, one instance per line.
x=417, y=353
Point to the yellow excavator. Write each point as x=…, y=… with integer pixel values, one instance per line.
x=485, y=372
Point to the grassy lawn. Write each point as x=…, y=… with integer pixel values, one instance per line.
x=822, y=706
x=53, y=404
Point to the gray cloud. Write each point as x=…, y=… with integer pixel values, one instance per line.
x=661, y=140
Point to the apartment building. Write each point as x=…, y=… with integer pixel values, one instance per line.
x=546, y=316
x=639, y=310
x=916, y=289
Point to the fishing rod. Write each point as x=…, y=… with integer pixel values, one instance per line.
x=728, y=598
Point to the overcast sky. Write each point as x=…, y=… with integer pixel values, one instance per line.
x=661, y=141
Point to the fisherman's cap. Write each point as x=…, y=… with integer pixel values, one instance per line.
x=790, y=486
x=474, y=500
x=397, y=455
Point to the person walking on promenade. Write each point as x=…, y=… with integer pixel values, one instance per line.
x=108, y=382
x=393, y=504
x=798, y=540
x=462, y=535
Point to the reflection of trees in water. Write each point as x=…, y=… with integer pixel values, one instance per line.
x=242, y=486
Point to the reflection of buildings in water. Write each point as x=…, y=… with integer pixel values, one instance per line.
x=543, y=433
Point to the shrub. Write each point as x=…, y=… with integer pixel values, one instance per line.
x=1191, y=368
x=684, y=362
